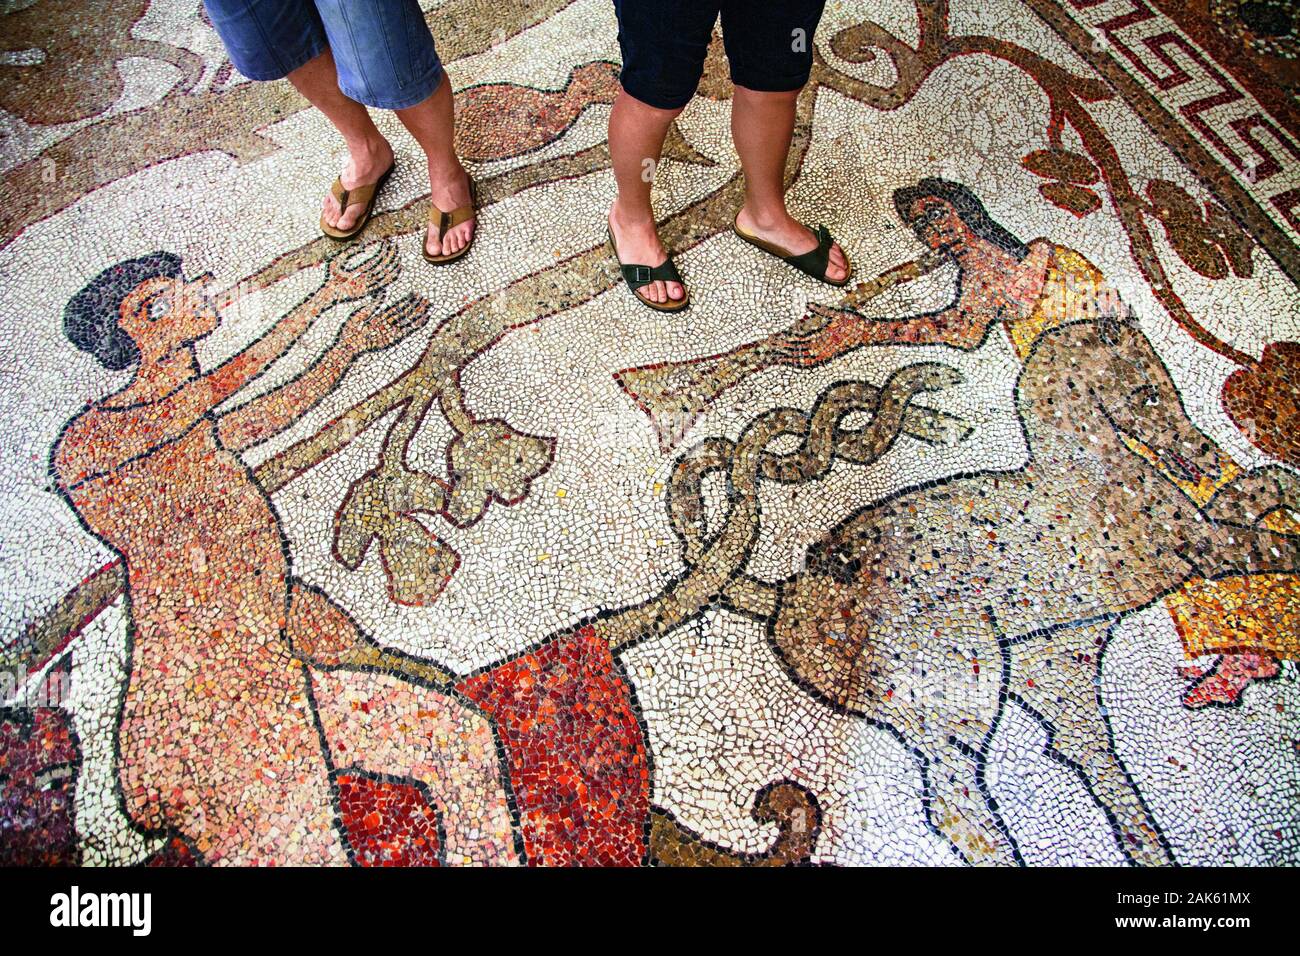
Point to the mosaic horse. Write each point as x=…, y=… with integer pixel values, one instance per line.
x=913, y=614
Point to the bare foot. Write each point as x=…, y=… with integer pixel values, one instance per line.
x=792, y=235
x=365, y=165
x=1223, y=684
x=637, y=243
x=449, y=190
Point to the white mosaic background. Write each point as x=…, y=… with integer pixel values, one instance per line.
x=724, y=719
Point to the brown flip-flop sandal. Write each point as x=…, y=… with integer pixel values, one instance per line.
x=450, y=220
x=813, y=263
x=363, y=195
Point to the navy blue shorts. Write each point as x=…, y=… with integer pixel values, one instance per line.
x=382, y=48
x=768, y=42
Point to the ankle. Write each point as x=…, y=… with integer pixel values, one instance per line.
x=446, y=173
x=627, y=216
x=368, y=149
x=765, y=216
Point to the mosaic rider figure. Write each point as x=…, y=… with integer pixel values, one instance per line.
x=345, y=55
x=1250, y=621
x=664, y=43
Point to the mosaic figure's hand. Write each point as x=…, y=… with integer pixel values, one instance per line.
x=348, y=278
x=371, y=328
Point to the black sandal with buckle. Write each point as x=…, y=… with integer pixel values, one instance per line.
x=813, y=263
x=638, y=277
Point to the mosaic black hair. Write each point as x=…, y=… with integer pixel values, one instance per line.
x=90, y=319
x=967, y=206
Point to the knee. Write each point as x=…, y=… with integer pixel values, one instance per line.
x=652, y=107
x=746, y=94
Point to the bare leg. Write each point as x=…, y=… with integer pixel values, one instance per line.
x=636, y=141
x=368, y=152
x=762, y=125
x=432, y=122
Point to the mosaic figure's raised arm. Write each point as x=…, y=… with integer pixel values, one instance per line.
x=368, y=329
x=343, y=283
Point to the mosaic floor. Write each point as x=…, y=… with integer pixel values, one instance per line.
x=990, y=558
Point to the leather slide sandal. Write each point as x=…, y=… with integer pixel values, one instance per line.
x=637, y=277
x=446, y=221
x=811, y=263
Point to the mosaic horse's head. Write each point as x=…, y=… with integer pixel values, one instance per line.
x=1100, y=381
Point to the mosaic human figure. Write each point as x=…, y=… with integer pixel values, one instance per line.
x=226, y=735
x=1251, y=620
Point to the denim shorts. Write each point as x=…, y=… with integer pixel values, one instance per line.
x=768, y=43
x=382, y=48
